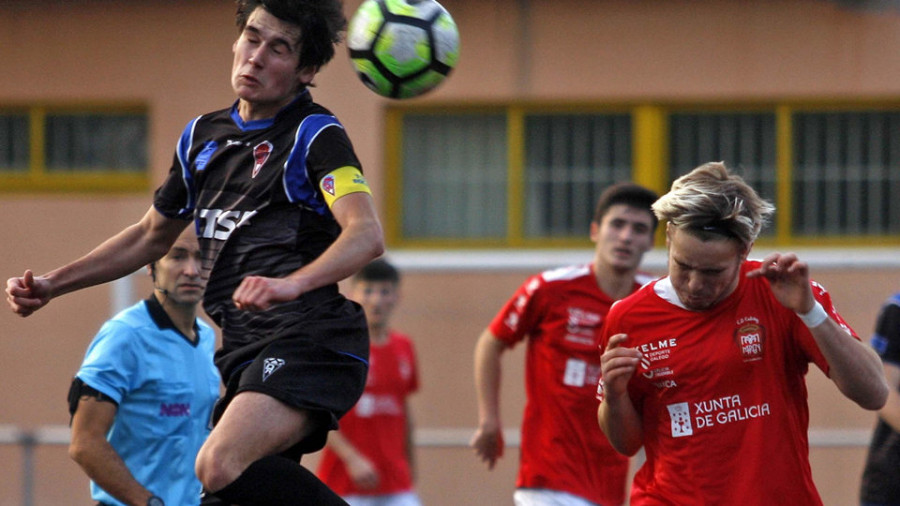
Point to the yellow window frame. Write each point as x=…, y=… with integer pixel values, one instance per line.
x=38, y=179
x=650, y=161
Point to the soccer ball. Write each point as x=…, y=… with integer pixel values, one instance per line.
x=402, y=48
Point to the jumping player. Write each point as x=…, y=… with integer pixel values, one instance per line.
x=706, y=368
x=283, y=213
x=565, y=459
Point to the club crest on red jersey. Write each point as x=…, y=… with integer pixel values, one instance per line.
x=750, y=337
x=261, y=154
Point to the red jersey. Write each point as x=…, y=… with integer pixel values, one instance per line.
x=562, y=447
x=722, y=394
x=377, y=425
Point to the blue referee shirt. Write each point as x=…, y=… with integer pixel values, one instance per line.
x=165, y=386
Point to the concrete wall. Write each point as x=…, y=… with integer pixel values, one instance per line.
x=175, y=56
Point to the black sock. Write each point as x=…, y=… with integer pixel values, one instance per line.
x=277, y=481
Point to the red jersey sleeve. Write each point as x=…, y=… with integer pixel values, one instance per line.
x=520, y=314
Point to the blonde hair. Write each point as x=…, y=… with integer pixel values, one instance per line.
x=710, y=201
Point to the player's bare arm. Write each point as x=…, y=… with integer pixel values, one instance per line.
x=360, y=468
x=91, y=450
x=410, y=441
x=854, y=367
x=617, y=415
x=361, y=240
x=488, y=438
x=129, y=250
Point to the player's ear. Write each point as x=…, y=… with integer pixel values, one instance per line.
x=595, y=231
x=305, y=75
x=746, y=252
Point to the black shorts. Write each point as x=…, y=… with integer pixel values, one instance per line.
x=304, y=375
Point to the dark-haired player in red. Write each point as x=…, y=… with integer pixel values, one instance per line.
x=565, y=459
x=370, y=460
x=706, y=368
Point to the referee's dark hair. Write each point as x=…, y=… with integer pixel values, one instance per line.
x=378, y=270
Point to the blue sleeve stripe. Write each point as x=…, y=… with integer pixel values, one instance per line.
x=297, y=185
x=296, y=178
x=183, y=151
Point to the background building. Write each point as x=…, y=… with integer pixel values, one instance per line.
x=481, y=183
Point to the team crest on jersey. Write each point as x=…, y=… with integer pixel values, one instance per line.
x=270, y=365
x=750, y=337
x=261, y=154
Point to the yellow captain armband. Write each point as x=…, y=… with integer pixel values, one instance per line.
x=343, y=181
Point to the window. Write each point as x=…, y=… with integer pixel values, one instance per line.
x=14, y=140
x=46, y=148
x=94, y=142
x=846, y=173
x=454, y=176
x=467, y=179
x=744, y=141
x=525, y=175
x=569, y=161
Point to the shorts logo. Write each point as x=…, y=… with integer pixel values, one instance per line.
x=680, y=414
x=270, y=365
x=261, y=153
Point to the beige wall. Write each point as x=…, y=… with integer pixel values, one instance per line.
x=175, y=56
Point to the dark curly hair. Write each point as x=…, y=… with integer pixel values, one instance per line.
x=321, y=22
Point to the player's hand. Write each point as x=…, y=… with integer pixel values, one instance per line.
x=27, y=294
x=258, y=293
x=363, y=473
x=789, y=279
x=488, y=444
x=617, y=366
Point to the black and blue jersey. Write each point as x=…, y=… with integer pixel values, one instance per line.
x=253, y=191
